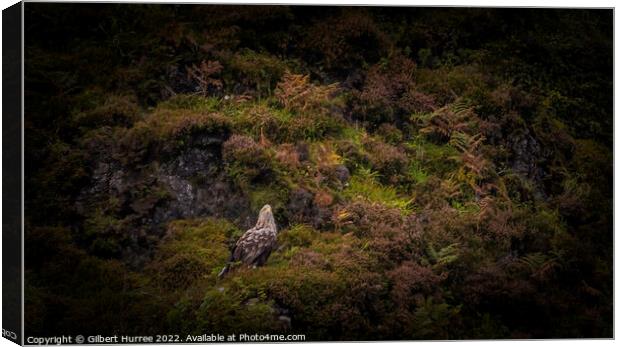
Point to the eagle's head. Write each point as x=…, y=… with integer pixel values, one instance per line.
x=265, y=218
x=265, y=209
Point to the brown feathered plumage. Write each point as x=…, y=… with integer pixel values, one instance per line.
x=256, y=244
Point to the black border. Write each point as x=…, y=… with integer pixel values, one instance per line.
x=12, y=173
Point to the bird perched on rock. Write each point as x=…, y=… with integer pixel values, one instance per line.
x=256, y=244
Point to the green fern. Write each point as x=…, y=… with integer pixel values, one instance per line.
x=533, y=261
x=447, y=120
x=433, y=319
x=417, y=173
x=444, y=256
x=539, y=264
x=364, y=184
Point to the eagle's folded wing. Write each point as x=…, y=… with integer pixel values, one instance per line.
x=255, y=244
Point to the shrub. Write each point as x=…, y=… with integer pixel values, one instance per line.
x=346, y=41
x=313, y=127
x=261, y=121
x=447, y=84
x=391, y=162
x=499, y=222
x=104, y=231
x=389, y=92
x=115, y=110
x=241, y=148
x=245, y=160
x=280, y=125
x=304, y=207
x=390, y=133
x=228, y=312
x=203, y=76
x=248, y=71
x=391, y=237
x=296, y=93
x=135, y=145
x=367, y=218
x=274, y=194
x=329, y=165
x=165, y=131
x=353, y=153
x=410, y=279
x=299, y=235
x=323, y=199
x=288, y=156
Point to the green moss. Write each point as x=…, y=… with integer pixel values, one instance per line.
x=245, y=299
x=319, y=282
x=170, y=124
x=166, y=130
x=274, y=195
x=314, y=127
x=297, y=236
x=228, y=312
x=195, y=103
x=115, y=110
x=192, y=251
x=261, y=119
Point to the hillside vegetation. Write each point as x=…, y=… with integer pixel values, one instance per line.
x=434, y=173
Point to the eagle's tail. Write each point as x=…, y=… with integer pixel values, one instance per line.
x=227, y=267
x=224, y=271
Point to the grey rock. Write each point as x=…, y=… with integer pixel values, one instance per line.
x=191, y=183
x=342, y=173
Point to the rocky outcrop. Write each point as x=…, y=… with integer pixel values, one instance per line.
x=190, y=184
x=527, y=155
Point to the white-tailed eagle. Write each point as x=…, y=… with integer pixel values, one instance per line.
x=256, y=244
